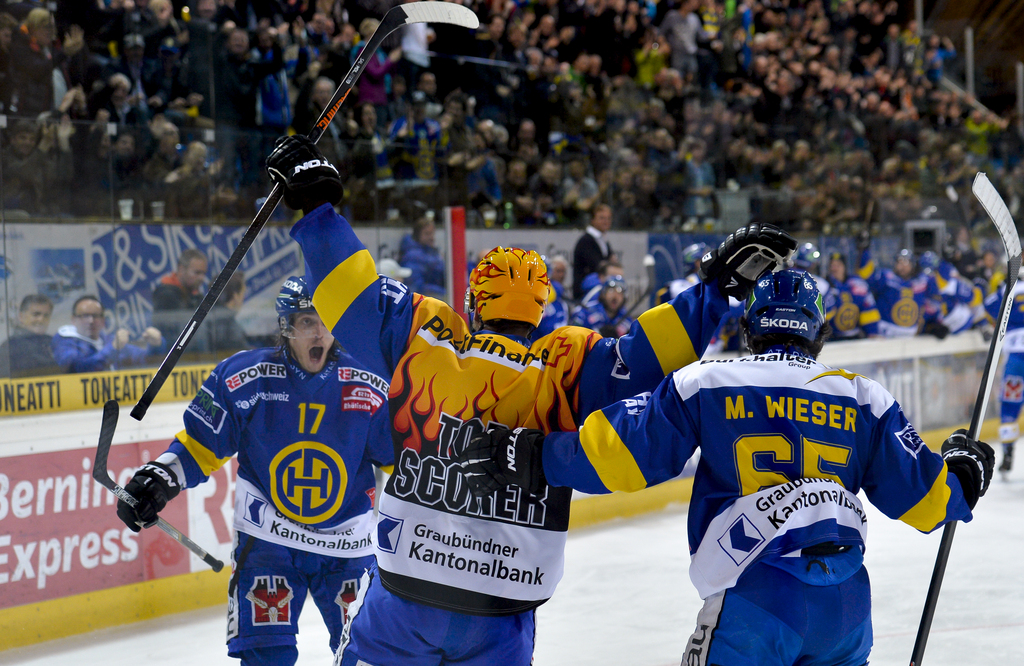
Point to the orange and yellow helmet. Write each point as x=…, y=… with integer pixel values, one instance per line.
x=509, y=283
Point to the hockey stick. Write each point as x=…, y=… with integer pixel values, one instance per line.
x=417, y=12
x=99, y=472
x=1000, y=216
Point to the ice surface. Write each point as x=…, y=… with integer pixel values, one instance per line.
x=626, y=600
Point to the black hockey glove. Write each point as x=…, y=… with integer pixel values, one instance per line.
x=308, y=179
x=863, y=240
x=746, y=255
x=936, y=328
x=154, y=485
x=971, y=461
x=503, y=457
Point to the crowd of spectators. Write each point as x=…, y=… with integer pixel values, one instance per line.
x=550, y=108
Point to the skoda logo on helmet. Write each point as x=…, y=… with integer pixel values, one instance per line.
x=792, y=324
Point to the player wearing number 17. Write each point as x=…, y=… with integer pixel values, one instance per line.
x=776, y=529
x=458, y=577
x=307, y=422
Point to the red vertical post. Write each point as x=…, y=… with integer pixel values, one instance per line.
x=457, y=279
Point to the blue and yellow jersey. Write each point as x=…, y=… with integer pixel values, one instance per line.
x=959, y=299
x=1014, y=341
x=850, y=308
x=304, y=442
x=420, y=149
x=761, y=422
x=448, y=384
x=903, y=305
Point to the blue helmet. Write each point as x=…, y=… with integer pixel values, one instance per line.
x=614, y=282
x=786, y=302
x=293, y=298
x=907, y=254
x=807, y=257
x=929, y=261
x=692, y=254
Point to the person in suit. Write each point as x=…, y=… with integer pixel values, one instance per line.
x=592, y=248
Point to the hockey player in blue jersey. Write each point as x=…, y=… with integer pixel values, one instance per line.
x=608, y=315
x=849, y=305
x=1011, y=398
x=959, y=299
x=908, y=301
x=776, y=530
x=307, y=423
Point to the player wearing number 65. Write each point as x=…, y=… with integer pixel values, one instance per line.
x=776, y=529
x=307, y=423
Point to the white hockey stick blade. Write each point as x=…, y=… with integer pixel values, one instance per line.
x=441, y=12
x=996, y=209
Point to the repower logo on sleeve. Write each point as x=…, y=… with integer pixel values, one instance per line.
x=347, y=374
x=243, y=377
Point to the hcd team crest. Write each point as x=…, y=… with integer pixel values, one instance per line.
x=308, y=481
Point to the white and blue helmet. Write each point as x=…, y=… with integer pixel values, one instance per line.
x=293, y=298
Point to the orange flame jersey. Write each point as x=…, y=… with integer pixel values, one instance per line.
x=447, y=385
x=449, y=377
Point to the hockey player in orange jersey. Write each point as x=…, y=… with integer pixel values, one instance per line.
x=458, y=577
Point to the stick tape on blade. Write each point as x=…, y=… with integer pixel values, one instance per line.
x=996, y=209
x=441, y=12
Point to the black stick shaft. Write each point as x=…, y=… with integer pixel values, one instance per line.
x=392, y=20
x=980, y=405
x=100, y=474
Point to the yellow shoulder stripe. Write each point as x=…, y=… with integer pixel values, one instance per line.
x=610, y=458
x=668, y=337
x=930, y=511
x=867, y=270
x=845, y=374
x=342, y=286
x=208, y=462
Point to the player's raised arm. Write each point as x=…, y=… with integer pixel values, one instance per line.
x=675, y=334
x=370, y=315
